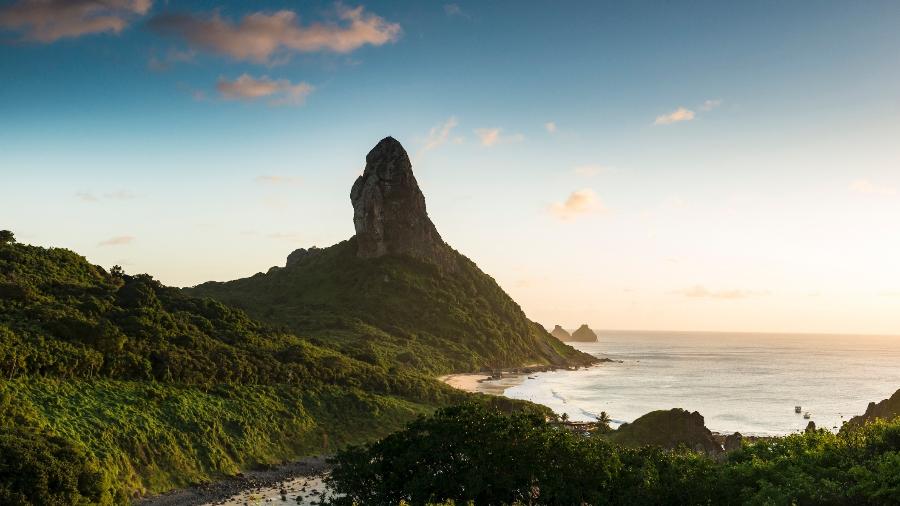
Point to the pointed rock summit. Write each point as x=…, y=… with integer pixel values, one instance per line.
x=389, y=210
x=561, y=333
x=584, y=334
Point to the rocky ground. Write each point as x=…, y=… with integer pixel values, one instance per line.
x=294, y=483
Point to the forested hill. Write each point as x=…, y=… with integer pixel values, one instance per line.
x=113, y=385
x=397, y=310
x=396, y=293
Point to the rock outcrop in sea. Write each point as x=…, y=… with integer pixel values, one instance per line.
x=561, y=333
x=584, y=334
x=389, y=210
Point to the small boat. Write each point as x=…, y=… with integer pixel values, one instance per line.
x=797, y=409
x=807, y=416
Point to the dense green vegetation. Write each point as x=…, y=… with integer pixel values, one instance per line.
x=396, y=310
x=666, y=429
x=114, y=384
x=473, y=454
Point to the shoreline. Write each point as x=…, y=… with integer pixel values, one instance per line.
x=303, y=476
x=491, y=384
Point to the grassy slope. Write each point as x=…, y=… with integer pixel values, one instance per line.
x=158, y=389
x=395, y=310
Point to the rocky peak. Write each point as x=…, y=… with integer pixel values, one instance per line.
x=389, y=210
x=584, y=333
x=561, y=333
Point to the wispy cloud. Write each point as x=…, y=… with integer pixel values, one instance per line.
x=279, y=91
x=685, y=114
x=172, y=57
x=589, y=170
x=278, y=180
x=579, y=203
x=711, y=104
x=122, y=240
x=258, y=36
x=676, y=116
x=493, y=136
x=439, y=135
x=283, y=236
x=865, y=186
x=701, y=292
x=47, y=21
x=550, y=126
x=454, y=10
x=115, y=195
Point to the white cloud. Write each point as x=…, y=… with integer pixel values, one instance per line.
x=579, y=203
x=865, y=186
x=676, y=116
x=281, y=91
x=121, y=240
x=258, y=36
x=701, y=292
x=47, y=21
x=709, y=105
x=550, y=126
x=493, y=136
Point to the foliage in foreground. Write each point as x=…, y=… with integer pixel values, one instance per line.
x=154, y=389
x=469, y=453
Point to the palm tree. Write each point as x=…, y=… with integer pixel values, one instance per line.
x=564, y=417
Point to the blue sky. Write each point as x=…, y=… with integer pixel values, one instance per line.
x=692, y=165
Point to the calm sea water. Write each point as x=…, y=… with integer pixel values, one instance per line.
x=738, y=382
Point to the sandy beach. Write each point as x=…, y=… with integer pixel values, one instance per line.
x=466, y=382
x=482, y=383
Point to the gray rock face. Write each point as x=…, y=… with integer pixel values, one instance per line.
x=561, y=333
x=389, y=210
x=584, y=334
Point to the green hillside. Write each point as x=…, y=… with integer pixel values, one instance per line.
x=397, y=310
x=112, y=385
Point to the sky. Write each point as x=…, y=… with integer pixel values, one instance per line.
x=630, y=165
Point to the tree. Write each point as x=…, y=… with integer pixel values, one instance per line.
x=603, y=420
x=7, y=237
x=564, y=417
x=117, y=271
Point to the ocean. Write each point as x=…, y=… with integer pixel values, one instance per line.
x=741, y=382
